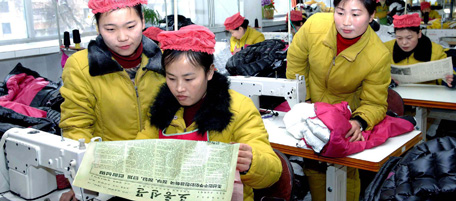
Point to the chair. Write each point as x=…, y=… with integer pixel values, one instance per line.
x=395, y=102
x=282, y=190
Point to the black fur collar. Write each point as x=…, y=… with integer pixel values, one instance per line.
x=423, y=51
x=214, y=114
x=100, y=61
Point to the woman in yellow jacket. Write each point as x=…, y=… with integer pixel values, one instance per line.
x=381, y=12
x=109, y=86
x=197, y=104
x=425, y=8
x=342, y=59
x=411, y=46
x=241, y=34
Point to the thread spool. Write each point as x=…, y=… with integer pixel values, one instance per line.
x=66, y=39
x=76, y=39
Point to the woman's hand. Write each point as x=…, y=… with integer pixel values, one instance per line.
x=449, y=80
x=244, y=157
x=355, y=132
x=68, y=196
x=236, y=50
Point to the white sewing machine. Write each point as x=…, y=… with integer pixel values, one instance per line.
x=33, y=157
x=438, y=34
x=294, y=91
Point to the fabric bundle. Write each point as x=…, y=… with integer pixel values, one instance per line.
x=322, y=127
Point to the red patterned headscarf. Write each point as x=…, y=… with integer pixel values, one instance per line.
x=102, y=6
x=193, y=37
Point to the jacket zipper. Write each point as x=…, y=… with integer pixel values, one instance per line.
x=329, y=71
x=139, y=109
x=125, y=74
x=141, y=126
x=327, y=77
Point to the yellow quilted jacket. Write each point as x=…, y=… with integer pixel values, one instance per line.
x=243, y=126
x=101, y=100
x=359, y=75
x=250, y=37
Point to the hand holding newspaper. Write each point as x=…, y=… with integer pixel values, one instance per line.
x=422, y=72
x=160, y=169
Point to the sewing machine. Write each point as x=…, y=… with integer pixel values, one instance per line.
x=294, y=91
x=33, y=157
x=438, y=34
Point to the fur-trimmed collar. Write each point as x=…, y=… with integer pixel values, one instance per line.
x=214, y=114
x=100, y=61
x=422, y=51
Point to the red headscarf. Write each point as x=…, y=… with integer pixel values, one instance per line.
x=193, y=37
x=425, y=5
x=152, y=33
x=102, y=6
x=401, y=21
x=234, y=21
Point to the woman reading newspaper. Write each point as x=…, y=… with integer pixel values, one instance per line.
x=197, y=104
x=411, y=46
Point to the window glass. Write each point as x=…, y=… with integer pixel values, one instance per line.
x=224, y=9
x=4, y=8
x=35, y=20
x=281, y=7
x=75, y=14
x=202, y=12
x=14, y=16
x=6, y=28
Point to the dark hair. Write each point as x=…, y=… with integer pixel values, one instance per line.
x=244, y=25
x=370, y=5
x=137, y=8
x=415, y=29
x=196, y=58
x=298, y=23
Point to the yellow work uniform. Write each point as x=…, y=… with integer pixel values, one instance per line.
x=100, y=98
x=381, y=13
x=359, y=75
x=250, y=37
x=245, y=126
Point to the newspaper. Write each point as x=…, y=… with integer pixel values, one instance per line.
x=422, y=72
x=160, y=169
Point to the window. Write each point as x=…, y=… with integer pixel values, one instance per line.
x=38, y=20
x=4, y=8
x=6, y=28
x=200, y=12
x=35, y=20
x=281, y=7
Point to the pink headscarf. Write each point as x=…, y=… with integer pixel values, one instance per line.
x=401, y=21
x=234, y=21
x=152, y=33
x=193, y=37
x=102, y=6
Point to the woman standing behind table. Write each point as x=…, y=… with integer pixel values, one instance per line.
x=241, y=34
x=412, y=47
x=197, y=104
x=342, y=59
